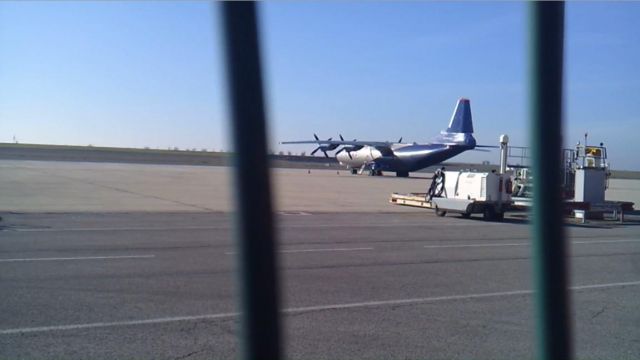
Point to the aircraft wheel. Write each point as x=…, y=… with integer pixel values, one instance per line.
x=465, y=215
x=379, y=173
x=354, y=171
x=441, y=213
x=402, y=173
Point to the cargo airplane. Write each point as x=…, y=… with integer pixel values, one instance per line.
x=403, y=158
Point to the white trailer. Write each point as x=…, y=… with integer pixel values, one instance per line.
x=463, y=192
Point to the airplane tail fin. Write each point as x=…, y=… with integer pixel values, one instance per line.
x=461, y=118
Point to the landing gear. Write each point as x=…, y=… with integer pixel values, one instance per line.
x=402, y=173
x=373, y=169
x=354, y=171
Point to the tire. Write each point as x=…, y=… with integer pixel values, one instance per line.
x=354, y=171
x=489, y=213
x=465, y=215
x=402, y=174
x=499, y=216
x=440, y=213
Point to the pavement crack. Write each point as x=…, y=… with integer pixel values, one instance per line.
x=598, y=313
x=189, y=354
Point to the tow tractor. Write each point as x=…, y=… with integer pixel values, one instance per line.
x=584, y=179
x=465, y=192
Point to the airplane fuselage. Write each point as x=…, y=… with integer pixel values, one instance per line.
x=404, y=157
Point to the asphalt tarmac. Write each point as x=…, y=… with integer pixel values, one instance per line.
x=120, y=261
x=354, y=286
x=54, y=186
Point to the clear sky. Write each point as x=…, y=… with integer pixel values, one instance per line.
x=150, y=74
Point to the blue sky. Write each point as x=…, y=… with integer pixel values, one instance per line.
x=150, y=74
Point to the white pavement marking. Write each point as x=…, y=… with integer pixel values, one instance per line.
x=527, y=244
x=225, y=227
x=81, y=258
x=294, y=213
x=302, y=309
x=320, y=250
x=312, y=250
x=117, y=323
x=473, y=245
x=163, y=228
x=390, y=225
x=606, y=241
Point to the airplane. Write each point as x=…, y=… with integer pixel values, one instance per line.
x=403, y=158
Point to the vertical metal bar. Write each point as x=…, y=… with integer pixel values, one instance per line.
x=552, y=298
x=254, y=218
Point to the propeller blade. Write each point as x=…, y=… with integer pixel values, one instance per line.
x=315, y=151
x=325, y=154
x=349, y=153
x=339, y=151
x=400, y=139
x=316, y=136
x=341, y=138
x=329, y=139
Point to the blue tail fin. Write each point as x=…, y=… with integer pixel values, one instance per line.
x=461, y=119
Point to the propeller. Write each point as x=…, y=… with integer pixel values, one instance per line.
x=400, y=141
x=349, y=148
x=324, y=148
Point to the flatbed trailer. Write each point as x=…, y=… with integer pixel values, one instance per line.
x=490, y=210
x=582, y=209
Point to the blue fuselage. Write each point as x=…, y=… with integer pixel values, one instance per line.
x=415, y=157
x=408, y=157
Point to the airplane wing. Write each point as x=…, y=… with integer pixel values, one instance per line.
x=328, y=145
x=383, y=144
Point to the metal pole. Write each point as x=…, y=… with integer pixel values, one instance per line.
x=552, y=298
x=504, y=150
x=254, y=218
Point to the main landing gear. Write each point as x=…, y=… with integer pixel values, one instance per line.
x=371, y=168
